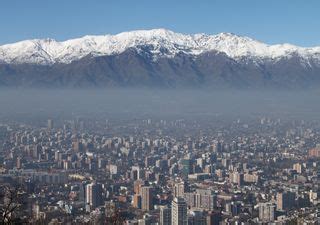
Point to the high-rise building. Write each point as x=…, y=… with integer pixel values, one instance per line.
x=315, y=152
x=137, y=201
x=214, y=218
x=297, y=167
x=76, y=145
x=50, y=124
x=179, y=212
x=218, y=147
x=165, y=215
x=285, y=200
x=179, y=189
x=145, y=221
x=201, y=199
x=113, y=169
x=314, y=195
x=236, y=178
x=137, y=173
x=251, y=178
x=137, y=184
x=18, y=162
x=94, y=195
x=235, y=208
x=197, y=218
x=36, y=210
x=266, y=212
x=146, y=198
x=186, y=166
x=82, y=191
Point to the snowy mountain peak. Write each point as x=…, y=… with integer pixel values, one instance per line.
x=50, y=51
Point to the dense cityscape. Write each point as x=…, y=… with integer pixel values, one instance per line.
x=159, y=112
x=214, y=171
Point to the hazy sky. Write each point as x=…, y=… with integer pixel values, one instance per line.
x=271, y=21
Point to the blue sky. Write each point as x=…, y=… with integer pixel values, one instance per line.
x=271, y=21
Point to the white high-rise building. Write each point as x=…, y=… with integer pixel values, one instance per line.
x=179, y=212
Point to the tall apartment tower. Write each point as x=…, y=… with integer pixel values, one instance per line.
x=285, y=200
x=50, y=124
x=94, y=195
x=179, y=189
x=266, y=212
x=179, y=212
x=146, y=198
x=165, y=215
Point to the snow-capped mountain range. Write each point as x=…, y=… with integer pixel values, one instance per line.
x=163, y=43
x=159, y=58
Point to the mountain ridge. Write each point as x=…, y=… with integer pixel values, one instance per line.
x=159, y=58
x=165, y=43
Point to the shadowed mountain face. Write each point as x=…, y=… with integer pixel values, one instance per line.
x=136, y=67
